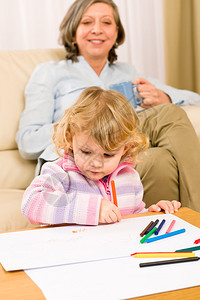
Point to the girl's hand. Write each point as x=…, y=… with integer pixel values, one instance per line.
x=109, y=212
x=150, y=94
x=167, y=206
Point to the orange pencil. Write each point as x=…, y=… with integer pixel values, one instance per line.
x=114, y=192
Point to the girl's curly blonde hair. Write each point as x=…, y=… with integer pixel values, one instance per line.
x=105, y=115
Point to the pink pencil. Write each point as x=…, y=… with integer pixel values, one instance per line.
x=170, y=226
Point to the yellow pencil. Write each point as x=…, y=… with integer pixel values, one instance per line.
x=162, y=254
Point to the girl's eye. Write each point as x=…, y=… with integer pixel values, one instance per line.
x=108, y=155
x=85, y=152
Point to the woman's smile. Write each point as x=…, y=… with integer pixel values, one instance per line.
x=96, y=41
x=97, y=27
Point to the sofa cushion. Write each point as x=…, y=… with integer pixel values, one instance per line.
x=193, y=113
x=16, y=172
x=11, y=217
x=16, y=69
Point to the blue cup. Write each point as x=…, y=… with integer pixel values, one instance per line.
x=129, y=90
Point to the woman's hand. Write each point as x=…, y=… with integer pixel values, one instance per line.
x=167, y=206
x=150, y=94
x=109, y=212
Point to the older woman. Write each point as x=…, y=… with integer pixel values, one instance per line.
x=90, y=33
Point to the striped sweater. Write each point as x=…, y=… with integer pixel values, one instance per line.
x=62, y=194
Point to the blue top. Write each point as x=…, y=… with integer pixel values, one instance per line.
x=55, y=86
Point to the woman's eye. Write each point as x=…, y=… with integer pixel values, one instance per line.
x=86, y=22
x=107, y=22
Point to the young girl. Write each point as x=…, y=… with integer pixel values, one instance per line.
x=98, y=141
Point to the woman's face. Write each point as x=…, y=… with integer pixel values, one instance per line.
x=97, y=32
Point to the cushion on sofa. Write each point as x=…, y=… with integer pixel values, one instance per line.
x=11, y=217
x=193, y=114
x=16, y=69
x=16, y=172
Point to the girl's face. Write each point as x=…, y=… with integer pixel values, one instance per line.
x=97, y=32
x=92, y=160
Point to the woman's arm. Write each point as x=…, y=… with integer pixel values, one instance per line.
x=154, y=93
x=151, y=95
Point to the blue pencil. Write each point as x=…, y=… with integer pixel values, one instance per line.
x=166, y=235
x=159, y=227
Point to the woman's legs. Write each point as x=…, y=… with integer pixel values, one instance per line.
x=169, y=128
x=158, y=172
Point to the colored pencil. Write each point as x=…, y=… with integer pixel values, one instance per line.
x=162, y=254
x=189, y=249
x=146, y=228
x=166, y=235
x=170, y=226
x=159, y=227
x=152, y=226
x=148, y=235
x=197, y=241
x=114, y=192
x=169, y=261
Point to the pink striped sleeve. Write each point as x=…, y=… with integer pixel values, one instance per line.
x=47, y=201
x=87, y=209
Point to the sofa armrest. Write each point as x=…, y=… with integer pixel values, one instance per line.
x=193, y=113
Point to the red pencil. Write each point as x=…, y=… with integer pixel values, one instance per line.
x=197, y=241
x=114, y=192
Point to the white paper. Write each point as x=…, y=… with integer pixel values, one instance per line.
x=83, y=262
x=75, y=244
x=113, y=279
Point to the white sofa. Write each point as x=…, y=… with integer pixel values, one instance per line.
x=16, y=173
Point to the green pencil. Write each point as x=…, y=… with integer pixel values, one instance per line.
x=148, y=235
x=189, y=249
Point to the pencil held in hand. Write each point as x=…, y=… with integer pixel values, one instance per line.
x=114, y=192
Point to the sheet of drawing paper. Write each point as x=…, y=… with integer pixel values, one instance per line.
x=113, y=279
x=75, y=244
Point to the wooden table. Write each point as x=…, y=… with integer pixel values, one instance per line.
x=17, y=285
